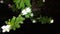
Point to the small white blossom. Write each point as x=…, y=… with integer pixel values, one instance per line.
x=26, y=10
x=32, y=14
x=52, y=21
x=34, y=21
x=1, y=1
x=43, y=0
x=6, y=28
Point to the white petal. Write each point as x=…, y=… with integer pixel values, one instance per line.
x=8, y=30
x=28, y=9
x=32, y=15
x=52, y=21
x=3, y=27
x=24, y=12
x=8, y=26
x=34, y=21
x=3, y=30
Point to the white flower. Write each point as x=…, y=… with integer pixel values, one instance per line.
x=32, y=14
x=52, y=21
x=43, y=0
x=6, y=28
x=26, y=10
x=1, y=1
x=34, y=21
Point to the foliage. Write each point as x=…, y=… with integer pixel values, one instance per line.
x=44, y=19
x=21, y=4
x=15, y=22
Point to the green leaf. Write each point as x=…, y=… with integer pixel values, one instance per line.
x=27, y=16
x=44, y=19
x=8, y=22
x=16, y=1
x=17, y=25
x=13, y=19
x=19, y=19
x=21, y=4
x=27, y=2
x=14, y=28
x=14, y=9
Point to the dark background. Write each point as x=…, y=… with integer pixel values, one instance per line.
x=51, y=8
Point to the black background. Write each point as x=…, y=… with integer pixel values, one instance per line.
x=52, y=8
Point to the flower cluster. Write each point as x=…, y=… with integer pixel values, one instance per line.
x=6, y=28
x=26, y=11
x=16, y=21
